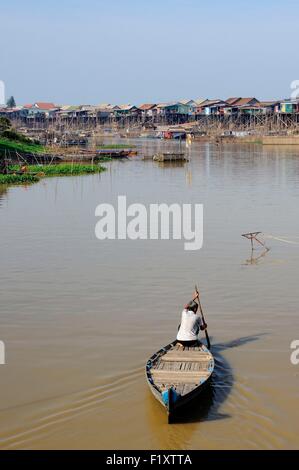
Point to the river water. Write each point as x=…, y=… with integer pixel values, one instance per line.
x=80, y=317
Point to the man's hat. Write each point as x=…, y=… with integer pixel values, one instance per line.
x=191, y=305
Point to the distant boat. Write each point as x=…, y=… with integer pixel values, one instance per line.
x=170, y=157
x=116, y=153
x=74, y=142
x=177, y=374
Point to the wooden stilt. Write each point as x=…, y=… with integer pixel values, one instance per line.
x=253, y=236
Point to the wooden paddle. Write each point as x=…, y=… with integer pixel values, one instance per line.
x=203, y=319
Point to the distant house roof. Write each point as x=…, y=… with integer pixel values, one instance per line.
x=8, y=110
x=166, y=105
x=88, y=107
x=126, y=107
x=244, y=101
x=27, y=106
x=233, y=100
x=44, y=105
x=105, y=109
x=105, y=105
x=65, y=107
x=267, y=103
x=71, y=108
x=290, y=101
x=186, y=101
x=199, y=101
x=146, y=106
x=211, y=102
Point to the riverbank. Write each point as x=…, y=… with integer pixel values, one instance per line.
x=35, y=172
x=22, y=147
x=250, y=139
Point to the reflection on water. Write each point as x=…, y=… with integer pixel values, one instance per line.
x=80, y=317
x=166, y=165
x=3, y=192
x=256, y=258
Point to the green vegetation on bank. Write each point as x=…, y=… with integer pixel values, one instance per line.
x=35, y=172
x=18, y=146
x=13, y=141
x=18, y=179
x=62, y=169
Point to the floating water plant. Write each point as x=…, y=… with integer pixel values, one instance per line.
x=35, y=172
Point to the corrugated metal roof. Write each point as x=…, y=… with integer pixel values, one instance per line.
x=146, y=106
x=267, y=103
x=105, y=106
x=212, y=102
x=65, y=107
x=233, y=100
x=199, y=101
x=125, y=106
x=43, y=105
x=244, y=101
x=165, y=105
x=186, y=101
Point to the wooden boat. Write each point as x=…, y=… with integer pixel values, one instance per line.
x=170, y=157
x=177, y=374
x=116, y=153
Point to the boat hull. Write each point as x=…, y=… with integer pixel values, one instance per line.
x=168, y=395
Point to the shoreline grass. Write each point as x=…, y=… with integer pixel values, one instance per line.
x=15, y=146
x=18, y=179
x=62, y=169
x=36, y=172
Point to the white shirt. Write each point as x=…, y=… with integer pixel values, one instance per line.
x=190, y=325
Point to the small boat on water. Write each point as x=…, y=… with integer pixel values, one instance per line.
x=116, y=153
x=170, y=157
x=176, y=374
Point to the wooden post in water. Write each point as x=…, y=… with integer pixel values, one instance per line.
x=253, y=236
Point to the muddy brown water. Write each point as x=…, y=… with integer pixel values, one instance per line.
x=80, y=317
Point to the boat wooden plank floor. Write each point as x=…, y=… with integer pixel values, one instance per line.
x=183, y=368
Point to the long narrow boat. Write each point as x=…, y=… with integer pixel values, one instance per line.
x=177, y=374
x=116, y=153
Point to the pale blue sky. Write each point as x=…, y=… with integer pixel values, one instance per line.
x=119, y=51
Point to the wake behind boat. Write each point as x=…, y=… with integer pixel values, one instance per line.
x=176, y=374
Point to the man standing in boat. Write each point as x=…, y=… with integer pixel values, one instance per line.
x=191, y=323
